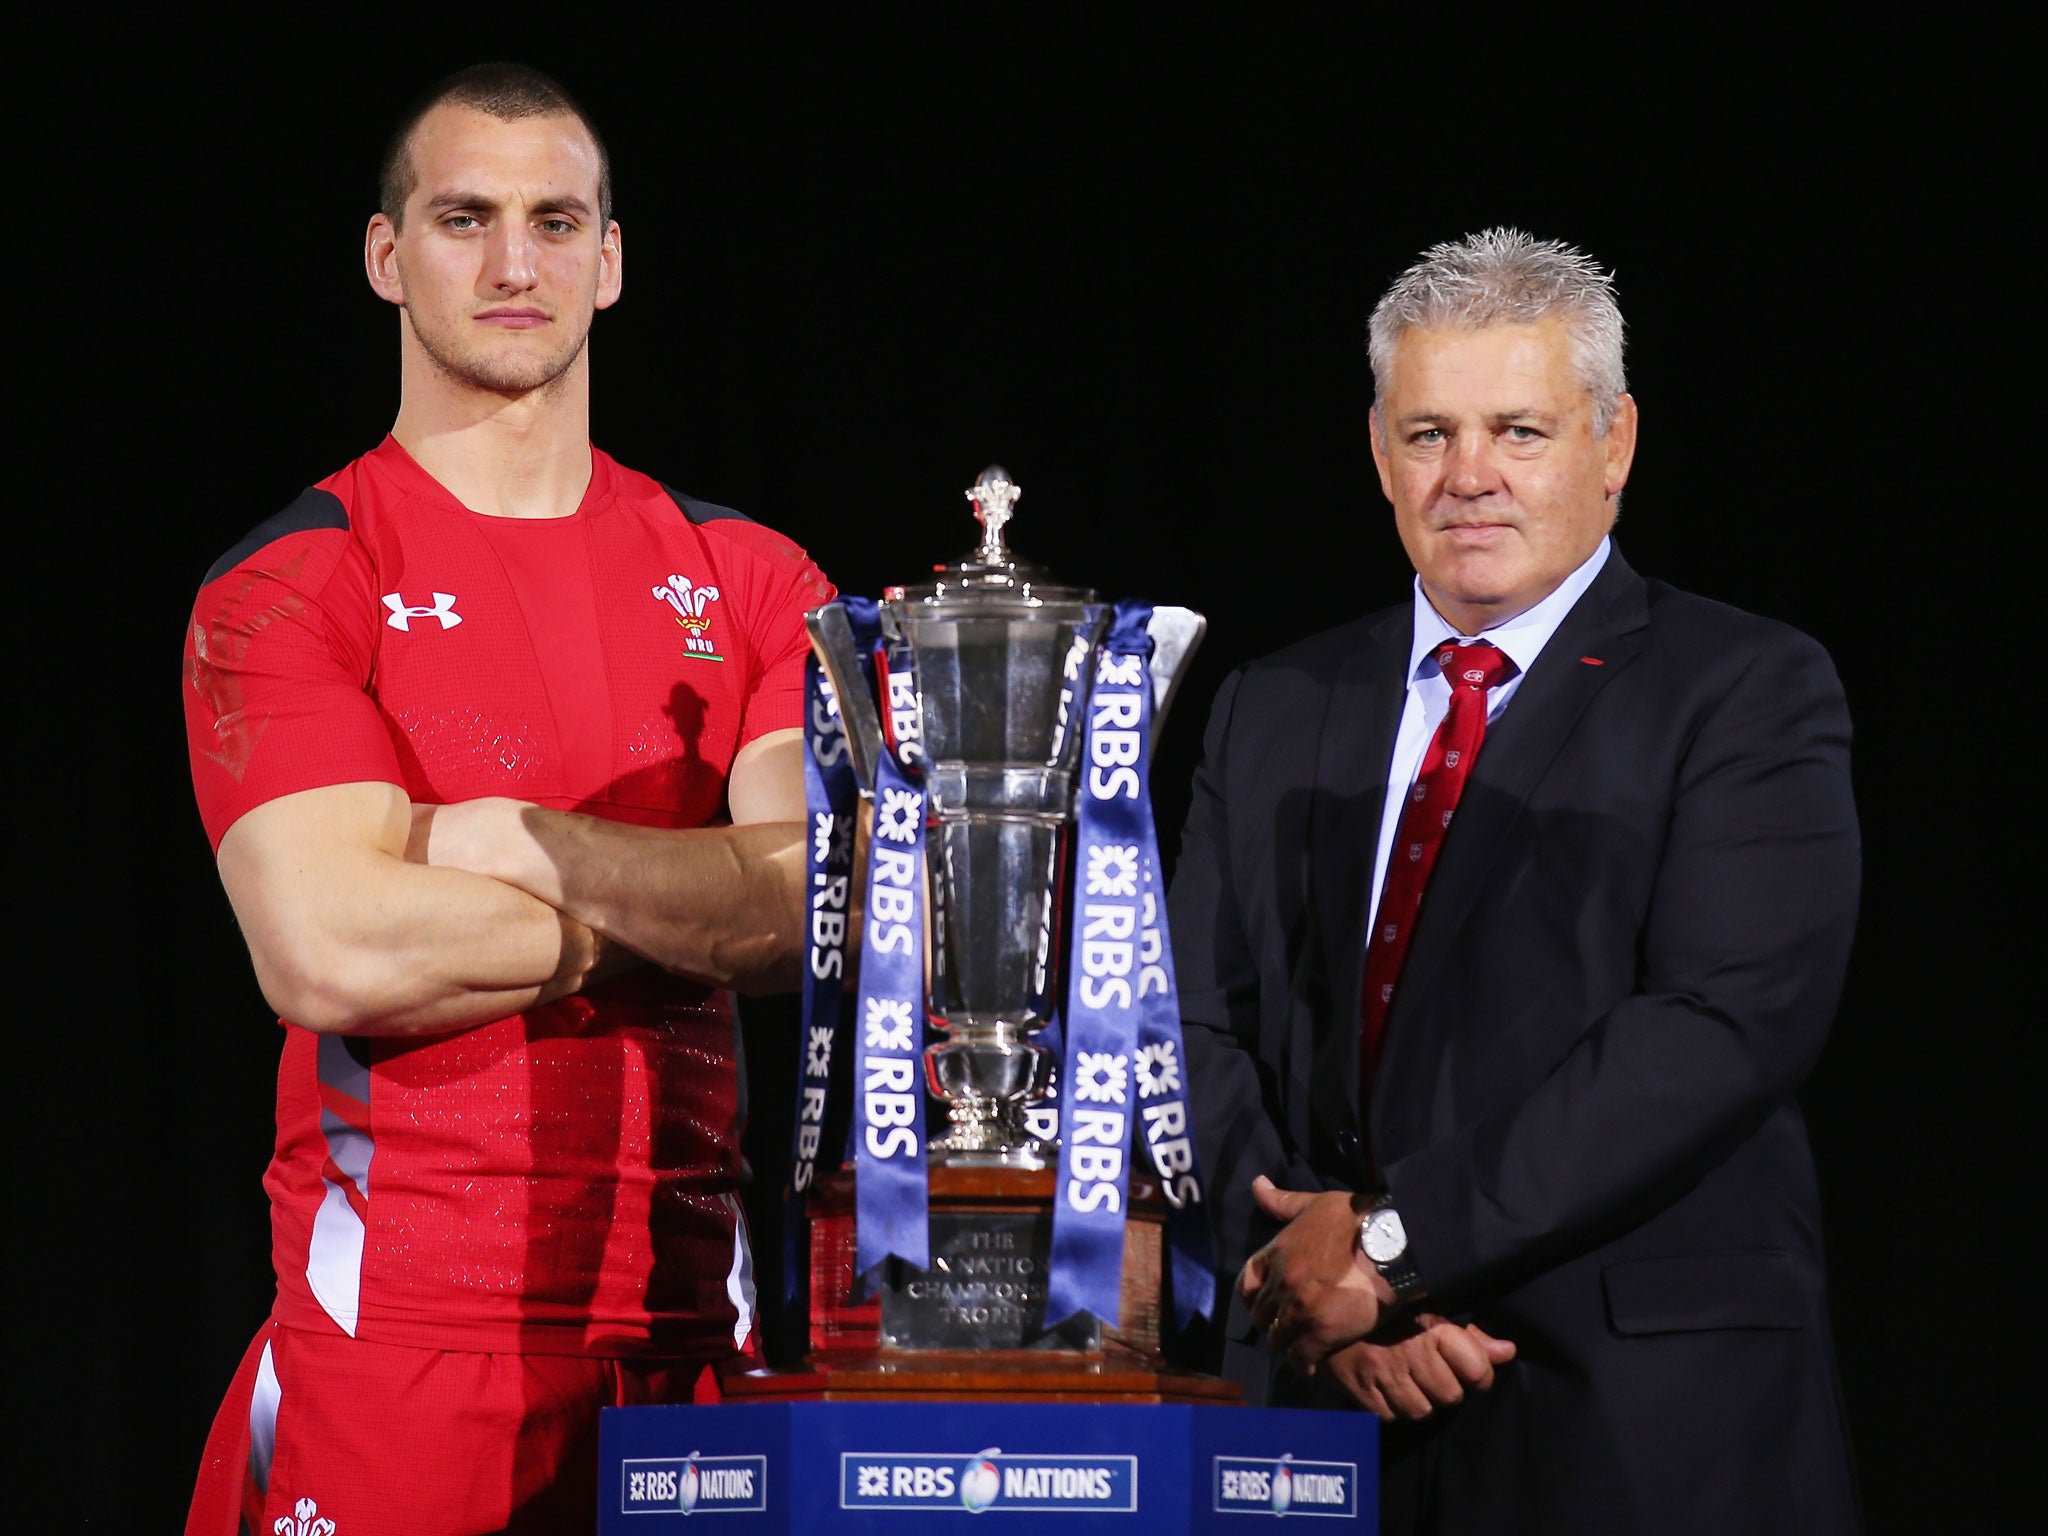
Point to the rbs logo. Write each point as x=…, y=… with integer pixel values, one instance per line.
x=1245, y=1486
x=693, y=1485
x=988, y=1480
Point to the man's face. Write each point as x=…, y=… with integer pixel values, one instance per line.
x=503, y=258
x=1500, y=489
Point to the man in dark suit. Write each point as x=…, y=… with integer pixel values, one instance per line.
x=1524, y=1175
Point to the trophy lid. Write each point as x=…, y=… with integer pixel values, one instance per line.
x=990, y=572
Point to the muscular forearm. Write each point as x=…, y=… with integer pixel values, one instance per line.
x=349, y=937
x=441, y=964
x=723, y=905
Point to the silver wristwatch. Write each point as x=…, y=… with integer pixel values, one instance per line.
x=1383, y=1240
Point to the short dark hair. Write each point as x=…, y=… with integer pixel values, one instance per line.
x=505, y=91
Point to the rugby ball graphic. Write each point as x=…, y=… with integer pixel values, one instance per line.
x=687, y=1499
x=980, y=1481
x=1283, y=1489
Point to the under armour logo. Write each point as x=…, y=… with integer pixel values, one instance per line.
x=402, y=616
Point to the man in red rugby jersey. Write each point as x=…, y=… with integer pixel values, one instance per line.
x=480, y=725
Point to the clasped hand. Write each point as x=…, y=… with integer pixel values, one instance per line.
x=1309, y=1288
x=1324, y=1306
x=1417, y=1364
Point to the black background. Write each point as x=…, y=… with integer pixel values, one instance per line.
x=1128, y=252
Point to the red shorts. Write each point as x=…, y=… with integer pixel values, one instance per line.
x=386, y=1441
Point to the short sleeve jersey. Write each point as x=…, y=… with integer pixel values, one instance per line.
x=561, y=1181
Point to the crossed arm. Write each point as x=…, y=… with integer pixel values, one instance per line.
x=367, y=915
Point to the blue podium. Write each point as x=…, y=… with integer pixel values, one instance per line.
x=821, y=1468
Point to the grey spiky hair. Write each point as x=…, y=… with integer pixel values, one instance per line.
x=1505, y=277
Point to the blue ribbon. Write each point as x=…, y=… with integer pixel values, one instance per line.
x=1124, y=1060
x=1101, y=1018
x=831, y=802
x=831, y=793
x=1163, y=1113
x=890, y=1193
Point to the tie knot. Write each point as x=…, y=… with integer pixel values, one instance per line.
x=1477, y=666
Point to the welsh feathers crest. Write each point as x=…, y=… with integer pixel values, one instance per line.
x=304, y=1520
x=690, y=602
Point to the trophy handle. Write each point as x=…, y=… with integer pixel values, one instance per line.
x=832, y=639
x=1175, y=632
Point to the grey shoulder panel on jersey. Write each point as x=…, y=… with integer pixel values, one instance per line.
x=701, y=511
x=314, y=508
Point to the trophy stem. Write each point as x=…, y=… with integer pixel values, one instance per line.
x=988, y=1075
x=990, y=1133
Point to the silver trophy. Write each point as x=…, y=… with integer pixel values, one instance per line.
x=1004, y=659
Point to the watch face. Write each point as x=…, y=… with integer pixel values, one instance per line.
x=1385, y=1238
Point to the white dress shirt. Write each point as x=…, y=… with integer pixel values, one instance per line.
x=1429, y=693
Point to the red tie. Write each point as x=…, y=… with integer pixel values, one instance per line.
x=1471, y=670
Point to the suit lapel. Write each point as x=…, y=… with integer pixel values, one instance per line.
x=1606, y=625
x=1350, y=790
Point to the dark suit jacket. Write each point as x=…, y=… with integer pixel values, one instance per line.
x=1626, y=962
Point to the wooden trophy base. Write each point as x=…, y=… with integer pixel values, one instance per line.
x=972, y=1327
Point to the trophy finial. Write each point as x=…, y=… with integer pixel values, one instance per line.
x=994, y=494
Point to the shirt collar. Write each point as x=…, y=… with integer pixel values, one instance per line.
x=1522, y=637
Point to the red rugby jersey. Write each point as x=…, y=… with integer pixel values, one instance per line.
x=562, y=1181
